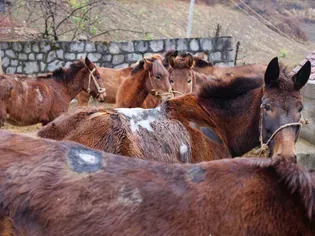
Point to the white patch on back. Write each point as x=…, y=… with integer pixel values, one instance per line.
x=129, y=197
x=130, y=112
x=183, y=149
x=140, y=117
x=39, y=95
x=88, y=158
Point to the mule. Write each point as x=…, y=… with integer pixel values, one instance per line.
x=111, y=79
x=226, y=114
x=63, y=188
x=41, y=99
x=148, y=77
x=188, y=73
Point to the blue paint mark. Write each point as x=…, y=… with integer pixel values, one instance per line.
x=85, y=160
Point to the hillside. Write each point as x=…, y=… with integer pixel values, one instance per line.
x=169, y=19
x=154, y=19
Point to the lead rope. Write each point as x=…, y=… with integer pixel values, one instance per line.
x=264, y=146
x=98, y=87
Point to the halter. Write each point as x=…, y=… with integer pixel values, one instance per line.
x=99, y=88
x=191, y=84
x=264, y=146
x=154, y=92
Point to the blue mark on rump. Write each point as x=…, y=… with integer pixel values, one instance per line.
x=85, y=160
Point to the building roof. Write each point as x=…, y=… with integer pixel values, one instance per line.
x=310, y=58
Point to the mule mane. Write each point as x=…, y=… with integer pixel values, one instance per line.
x=68, y=73
x=220, y=89
x=140, y=66
x=296, y=179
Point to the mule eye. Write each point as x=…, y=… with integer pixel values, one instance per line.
x=158, y=77
x=189, y=81
x=267, y=107
x=172, y=81
x=98, y=77
x=301, y=109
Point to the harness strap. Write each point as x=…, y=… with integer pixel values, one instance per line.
x=98, y=87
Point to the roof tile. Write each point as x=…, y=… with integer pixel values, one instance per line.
x=310, y=58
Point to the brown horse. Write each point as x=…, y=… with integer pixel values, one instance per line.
x=42, y=99
x=111, y=79
x=234, y=113
x=148, y=77
x=188, y=73
x=63, y=188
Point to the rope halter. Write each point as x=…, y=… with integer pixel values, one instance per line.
x=191, y=84
x=156, y=93
x=98, y=87
x=265, y=146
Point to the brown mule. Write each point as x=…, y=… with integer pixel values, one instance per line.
x=225, y=114
x=63, y=188
x=41, y=99
x=188, y=73
x=148, y=77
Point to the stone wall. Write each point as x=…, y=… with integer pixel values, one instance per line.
x=43, y=56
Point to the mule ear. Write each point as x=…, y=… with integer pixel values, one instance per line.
x=272, y=72
x=146, y=64
x=301, y=78
x=171, y=61
x=190, y=60
x=88, y=63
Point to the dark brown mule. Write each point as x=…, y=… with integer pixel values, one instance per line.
x=111, y=79
x=188, y=73
x=42, y=99
x=63, y=188
x=225, y=113
x=148, y=77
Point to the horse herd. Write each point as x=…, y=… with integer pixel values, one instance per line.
x=186, y=119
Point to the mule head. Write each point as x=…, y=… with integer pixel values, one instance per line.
x=181, y=73
x=94, y=84
x=157, y=80
x=281, y=109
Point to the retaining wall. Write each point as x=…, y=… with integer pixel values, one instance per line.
x=43, y=56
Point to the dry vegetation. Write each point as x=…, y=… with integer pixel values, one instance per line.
x=286, y=15
x=154, y=19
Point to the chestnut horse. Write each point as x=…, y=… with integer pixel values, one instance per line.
x=148, y=77
x=188, y=73
x=111, y=79
x=42, y=99
x=63, y=188
x=234, y=113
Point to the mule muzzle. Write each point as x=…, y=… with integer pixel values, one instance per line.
x=101, y=96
